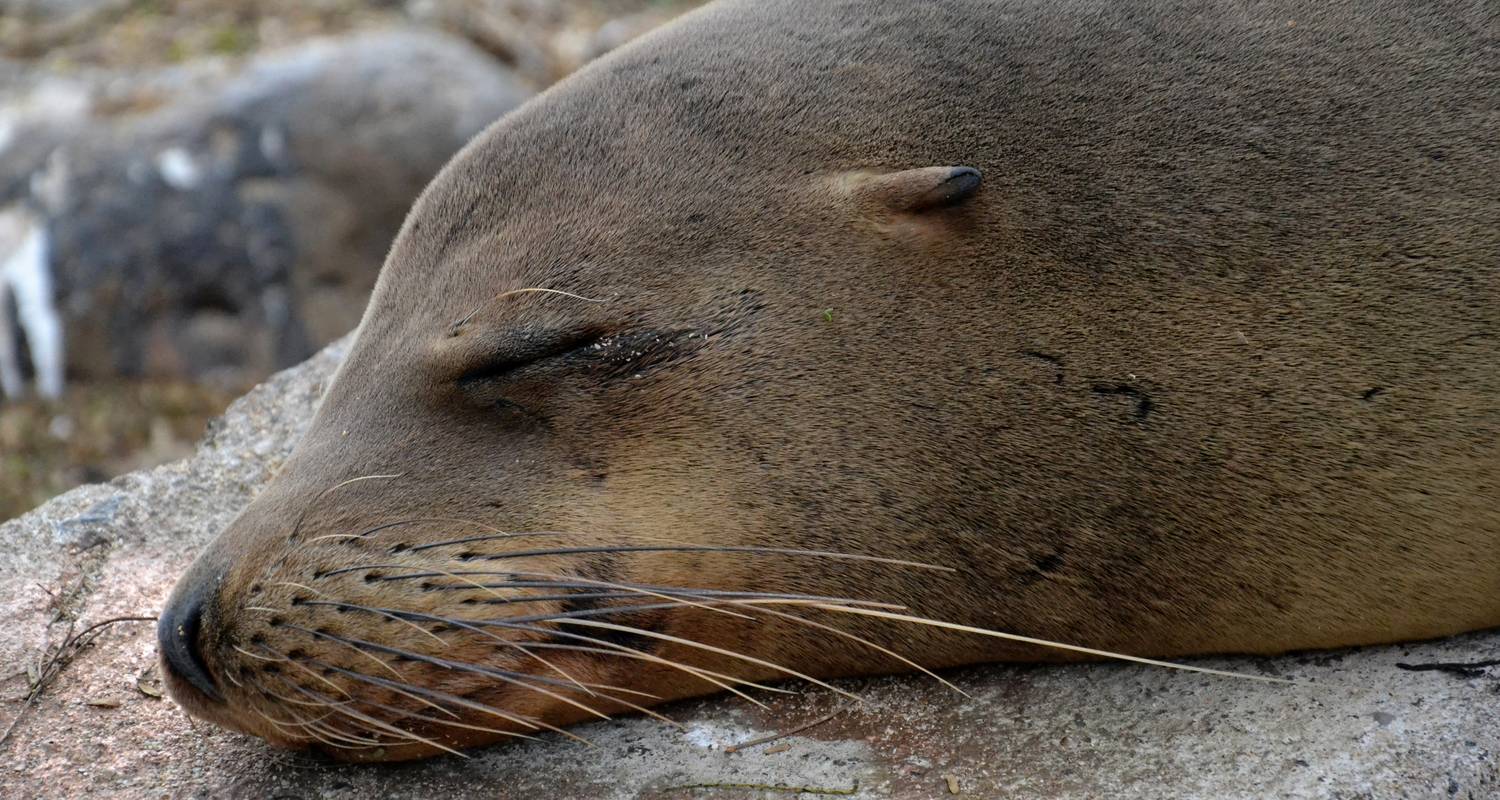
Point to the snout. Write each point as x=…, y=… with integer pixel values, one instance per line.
x=179, y=637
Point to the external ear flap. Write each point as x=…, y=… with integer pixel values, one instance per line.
x=914, y=191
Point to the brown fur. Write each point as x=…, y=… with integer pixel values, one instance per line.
x=1209, y=364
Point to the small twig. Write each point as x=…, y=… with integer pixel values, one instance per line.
x=56, y=661
x=1472, y=669
x=735, y=748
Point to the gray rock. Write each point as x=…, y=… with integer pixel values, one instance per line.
x=1354, y=724
x=87, y=529
x=219, y=225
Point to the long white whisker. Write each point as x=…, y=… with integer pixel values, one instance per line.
x=1013, y=637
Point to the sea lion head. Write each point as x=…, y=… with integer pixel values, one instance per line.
x=628, y=350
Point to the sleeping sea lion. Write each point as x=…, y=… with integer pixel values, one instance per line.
x=813, y=338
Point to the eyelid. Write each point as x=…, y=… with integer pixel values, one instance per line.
x=529, y=348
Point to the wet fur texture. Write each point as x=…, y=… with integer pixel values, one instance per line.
x=1207, y=364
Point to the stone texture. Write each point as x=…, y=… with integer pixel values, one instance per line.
x=223, y=221
x=1353, y=726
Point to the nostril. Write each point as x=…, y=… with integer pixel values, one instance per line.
x=177, y=634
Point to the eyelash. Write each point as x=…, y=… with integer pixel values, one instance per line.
x=609, y=357
x=560, y=348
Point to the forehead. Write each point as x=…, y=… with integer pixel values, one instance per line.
x=639, y=172
x=478, y=232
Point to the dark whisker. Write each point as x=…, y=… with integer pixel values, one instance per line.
x=518, y=679
x=461, y=702
x=666, y=590
x=507, y=642
x=496, y=533
x=684, y=548
x=392, y=729
x=408, y=714
x=620, y=651
x=595, y=612
x=398, y=675
x=853, y=637
x=289, y=661
x=712, y=649
x=298, y=731
x=612, y=646
x=589, y=583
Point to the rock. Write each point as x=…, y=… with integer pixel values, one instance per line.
x=220, y=222
x=51, y=10
x=1354, y=725
x=544, y=40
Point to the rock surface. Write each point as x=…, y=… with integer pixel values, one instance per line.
x=223, y=221
x=1354, y=725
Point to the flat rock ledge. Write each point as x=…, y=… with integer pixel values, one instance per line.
x=1355, y=725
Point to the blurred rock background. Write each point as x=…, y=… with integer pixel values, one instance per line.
x=195, y=193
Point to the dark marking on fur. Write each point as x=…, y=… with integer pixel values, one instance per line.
x=1143, y=403
x=603, y=570
x=1055, y=361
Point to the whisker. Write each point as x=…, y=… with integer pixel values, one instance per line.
x=303, y=728
x=524, y=647
x=423, y=630
x=401, y=732
x=698, y=672
x=245, y=652
x=711, y=648
x=302, y=517
x=388, y=667
x=459, y=576
x=648, y=712
x=465, y=318
x=759, y=604
x=296, y=731
x=706, y=594
x=461, y=624
x=518, y=679
x=345, y=735
x=860, y=639
x=450, y=723
x=498, y=533
x=461, y=702
x=719, y=679
x=607, y=610
x=1013, y=637
x=297, y=721
x=317, y=724
x=294, y=701
x=686, y=548
x=292, y=662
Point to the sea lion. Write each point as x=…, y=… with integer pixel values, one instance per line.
x=1168, y=328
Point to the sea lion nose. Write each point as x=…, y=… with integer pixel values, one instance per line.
x=177, y=637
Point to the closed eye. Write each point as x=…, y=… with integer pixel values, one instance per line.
x=527, y=348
